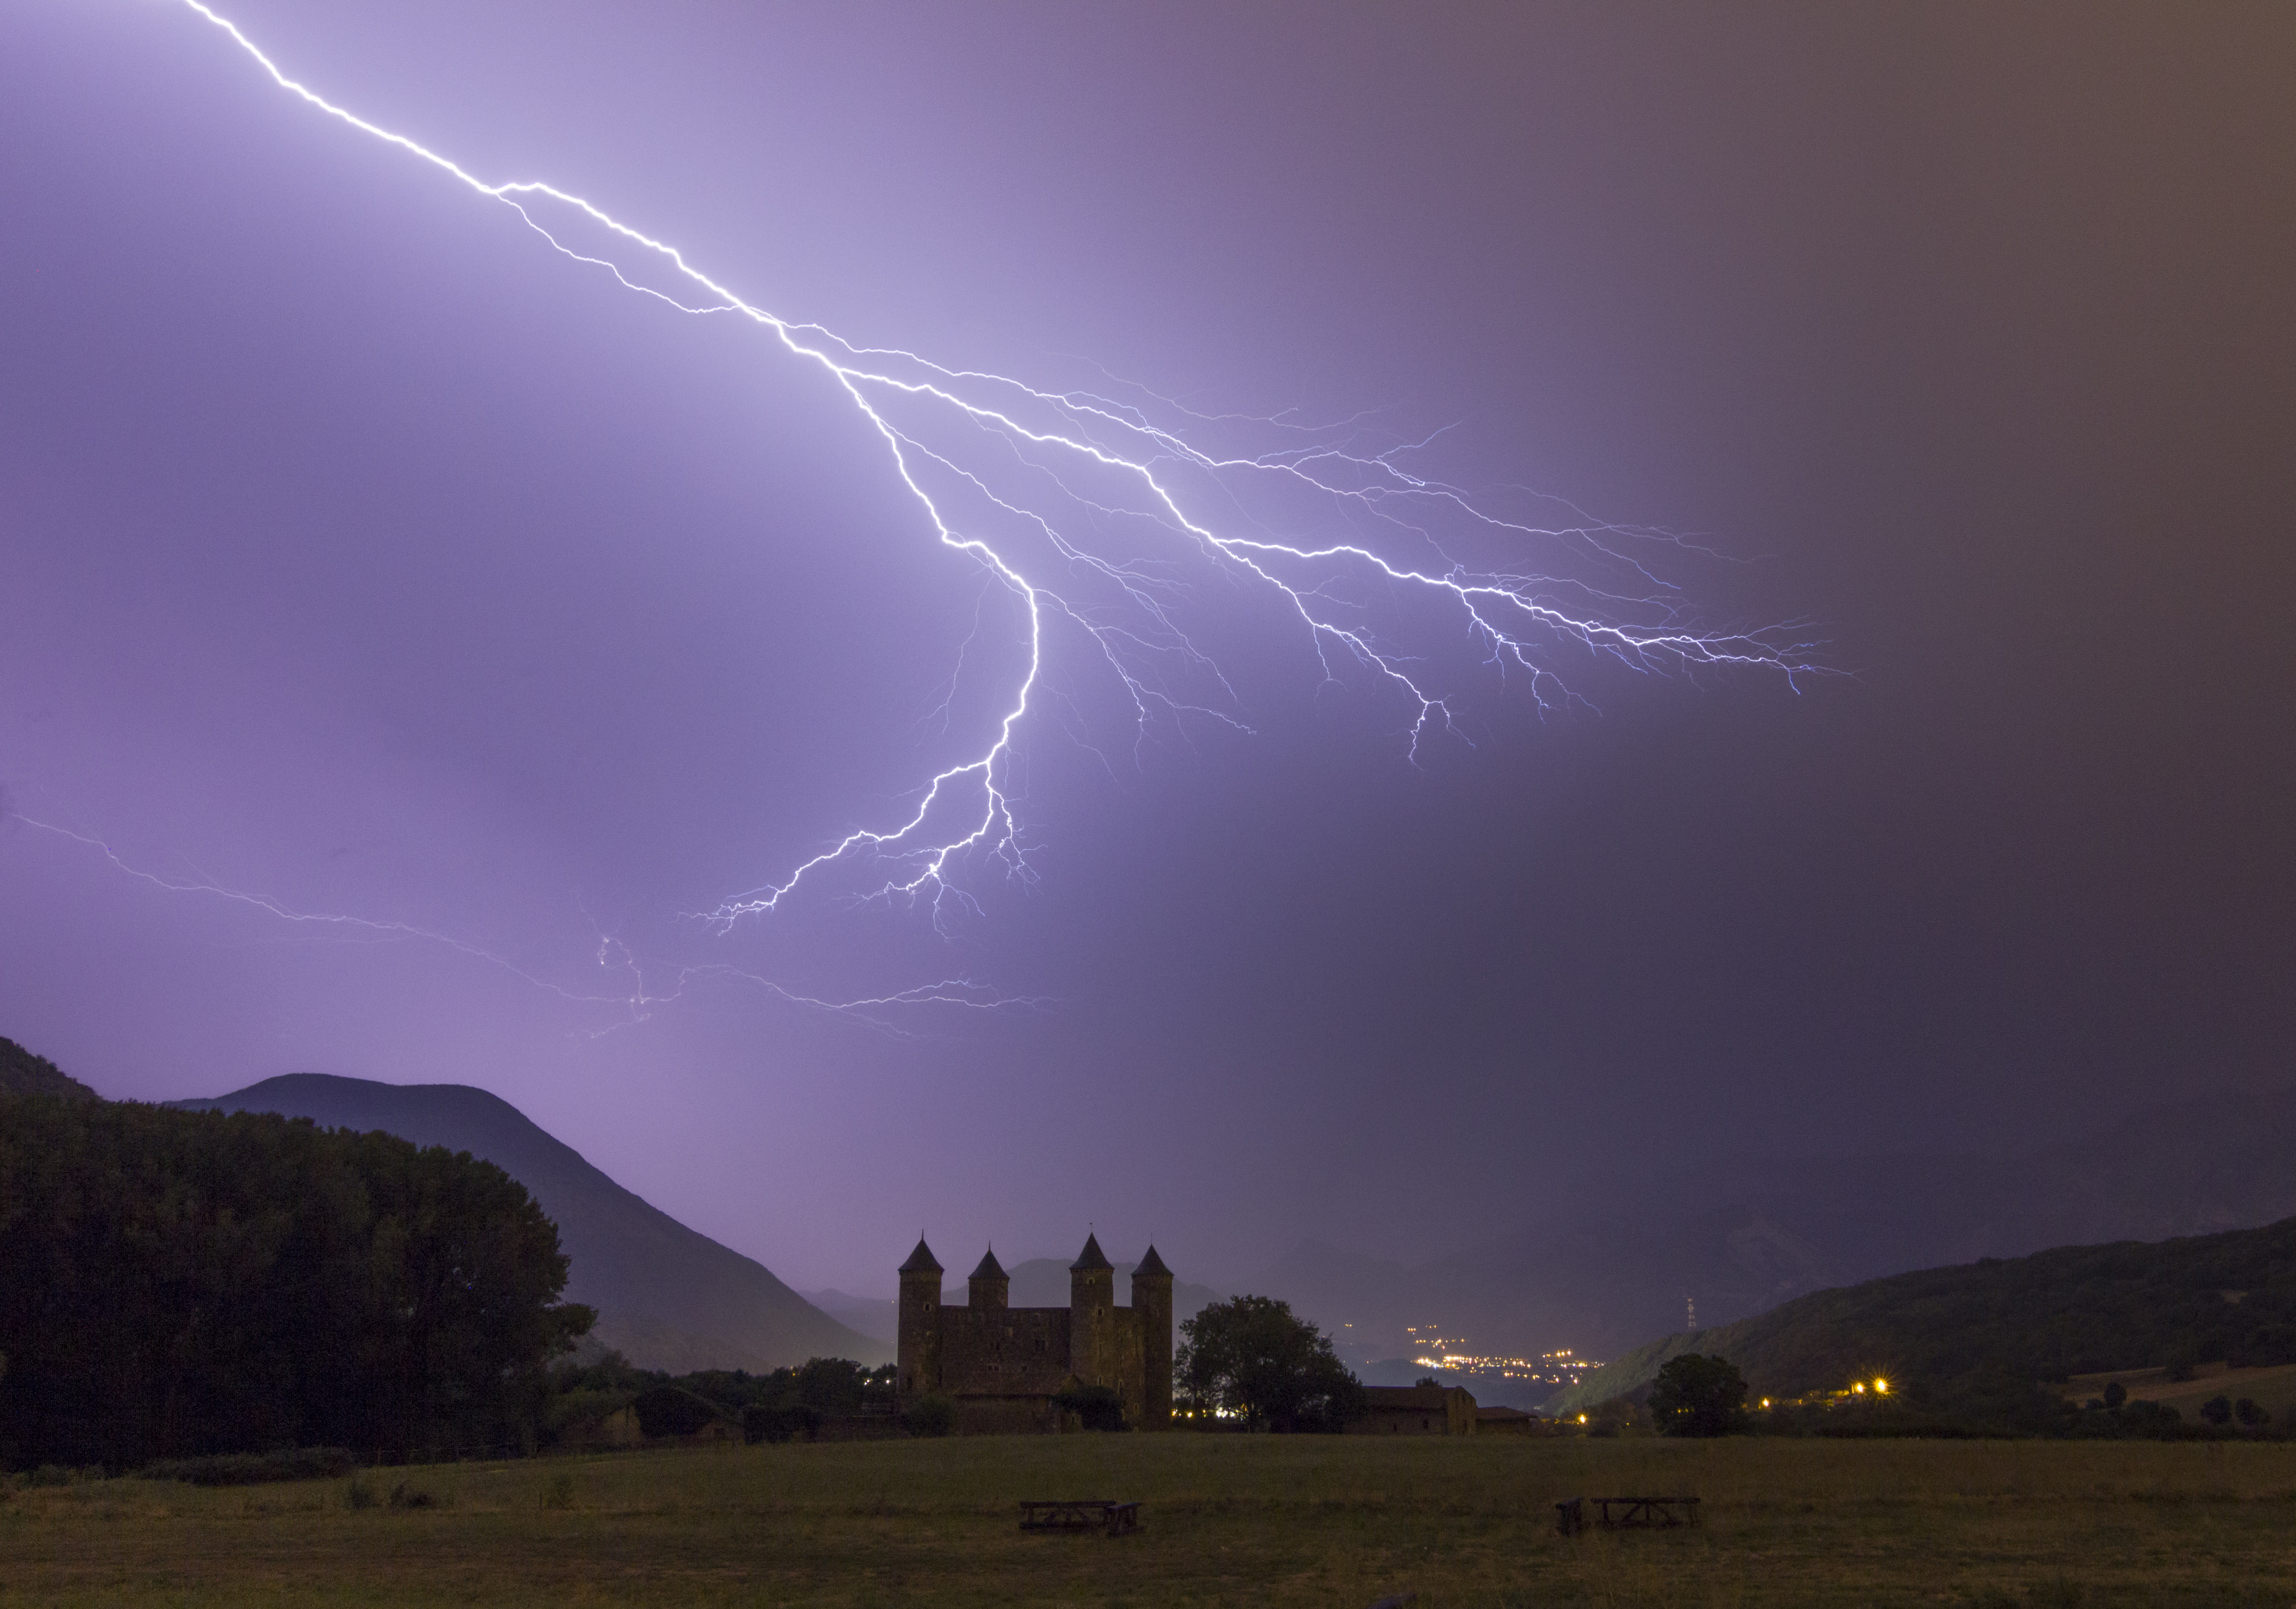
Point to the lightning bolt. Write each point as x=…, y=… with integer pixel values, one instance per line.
x=633, y=1005
x=1101, y=519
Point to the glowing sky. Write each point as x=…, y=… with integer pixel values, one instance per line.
x=360, y=554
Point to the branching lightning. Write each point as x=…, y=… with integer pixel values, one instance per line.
x=1102, y=521
x=636, y=998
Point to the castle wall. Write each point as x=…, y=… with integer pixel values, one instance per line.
x=1003, y=1352
x=1125, y=1355
x=1006, y=1416
x=919, y=1347
x=1152, y=1311
x=1003, y=1366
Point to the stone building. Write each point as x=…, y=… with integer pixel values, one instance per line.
x=1505, y=1421
x=1003, y=1365
x=1415, y=1410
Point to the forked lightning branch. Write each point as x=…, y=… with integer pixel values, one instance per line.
x=1109, y=524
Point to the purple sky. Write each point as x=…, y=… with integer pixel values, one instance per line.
x=358, y=553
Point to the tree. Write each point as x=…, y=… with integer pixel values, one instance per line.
x=1251, y=1357
x=189, y=1284
x=2248, y=1413
x=2115, y=1393
x=1697, y=1395
x=2216, y=1410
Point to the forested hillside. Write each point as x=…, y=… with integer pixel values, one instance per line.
x=668, y=1297
x=23, y=1073
x=178, y=1283
x=2073, y=1311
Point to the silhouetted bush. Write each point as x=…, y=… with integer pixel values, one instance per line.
x=778, y=1422
x=931, y=1415
x=2154, y=1420
x=669, y=1411
x=1095, y=1407
x=785, y=1404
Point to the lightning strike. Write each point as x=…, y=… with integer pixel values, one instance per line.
x=1101, y=521
x=633, y=1005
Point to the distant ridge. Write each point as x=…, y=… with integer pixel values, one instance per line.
x=668, y=1298
x=23, y=1073
x=2230, y=1297
x=1745, y=1234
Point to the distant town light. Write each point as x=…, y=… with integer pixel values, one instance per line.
x=1881, y=1385
x=1859, y=1388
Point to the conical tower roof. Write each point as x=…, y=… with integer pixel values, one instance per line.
x=921, y=1261
x=1091, y=1257
x=990, y=1268
x=1152, y=1266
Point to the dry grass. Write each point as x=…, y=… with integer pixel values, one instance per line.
x=1226, y=1520
x=2273, y=1388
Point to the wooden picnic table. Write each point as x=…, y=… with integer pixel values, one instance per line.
x=1619, y=1514
x=1081, y=1514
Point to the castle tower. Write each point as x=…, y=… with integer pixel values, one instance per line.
x=1152, y=1299
x=988, y=1285
x=1092, y=1315
x=919, y=1350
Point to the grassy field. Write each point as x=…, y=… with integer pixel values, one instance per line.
x=1226, y=1520
x=2273, y=1389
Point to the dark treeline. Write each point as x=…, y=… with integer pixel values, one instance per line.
x=1703, y=1394
x=788, y=1404
x=185, y=1283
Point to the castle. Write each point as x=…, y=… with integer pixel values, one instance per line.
x=1003, y=1365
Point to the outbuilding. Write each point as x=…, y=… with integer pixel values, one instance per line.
x=1416, y=1410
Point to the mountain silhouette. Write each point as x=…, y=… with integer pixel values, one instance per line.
x=1743, y=1235
x=23, y=1073
x=668, y=1298
x=2069, y=1310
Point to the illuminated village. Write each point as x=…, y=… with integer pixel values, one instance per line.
x=1431, y=1349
